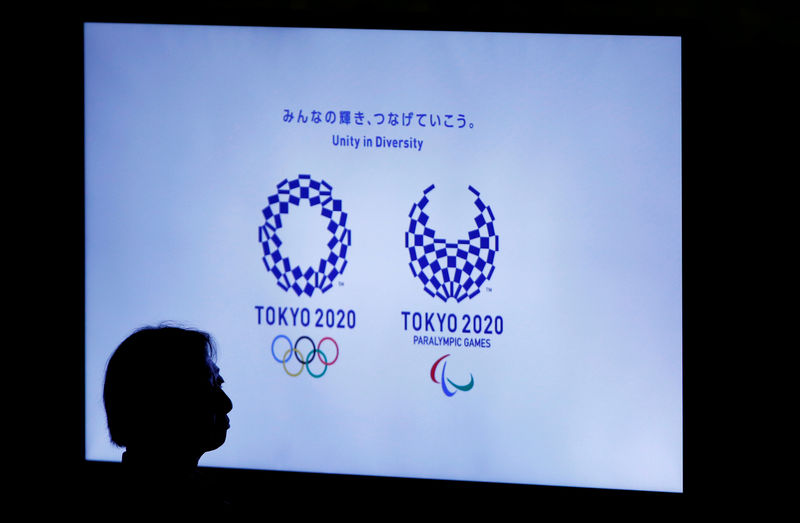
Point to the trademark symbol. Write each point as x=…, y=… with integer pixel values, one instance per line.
x=341, y=284
x=488, y=289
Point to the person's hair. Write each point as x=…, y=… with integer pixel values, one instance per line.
x=153, y=377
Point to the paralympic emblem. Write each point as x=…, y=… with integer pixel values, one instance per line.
x=442, y=379
x=452, y=269
x=305, y=361
x=304, y=280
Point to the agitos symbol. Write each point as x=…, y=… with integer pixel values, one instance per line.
x=446, y=391
x=305, y=362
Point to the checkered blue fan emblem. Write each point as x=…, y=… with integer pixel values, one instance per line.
x=448, y=269
x=304, y=189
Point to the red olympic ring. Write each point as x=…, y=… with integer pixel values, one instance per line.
x=337, y=350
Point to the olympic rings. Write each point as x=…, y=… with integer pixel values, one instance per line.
x=305, y=361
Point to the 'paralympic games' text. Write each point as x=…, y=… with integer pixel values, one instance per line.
x=452, y=341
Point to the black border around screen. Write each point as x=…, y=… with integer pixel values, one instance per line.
x=702, y=45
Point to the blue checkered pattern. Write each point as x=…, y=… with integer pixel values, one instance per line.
x=452, y=269
x=293, y=277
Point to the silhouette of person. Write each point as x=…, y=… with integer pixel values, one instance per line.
x=165, y=405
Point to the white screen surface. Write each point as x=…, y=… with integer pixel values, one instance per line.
x=572, y=148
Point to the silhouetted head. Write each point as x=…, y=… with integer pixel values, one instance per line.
x=163, y=394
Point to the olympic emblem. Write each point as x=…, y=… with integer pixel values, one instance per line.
x=298, y=279
x=452, y=269
x=304, y=361
x=448, y=392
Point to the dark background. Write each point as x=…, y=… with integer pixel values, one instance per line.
x=738, y=62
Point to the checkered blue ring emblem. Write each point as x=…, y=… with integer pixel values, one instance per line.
x=293, y=277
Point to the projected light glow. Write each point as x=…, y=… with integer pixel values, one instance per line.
x=399, y=319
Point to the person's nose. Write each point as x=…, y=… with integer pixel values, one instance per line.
x=227, y=404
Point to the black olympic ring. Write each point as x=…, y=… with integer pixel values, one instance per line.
x=311, y=354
